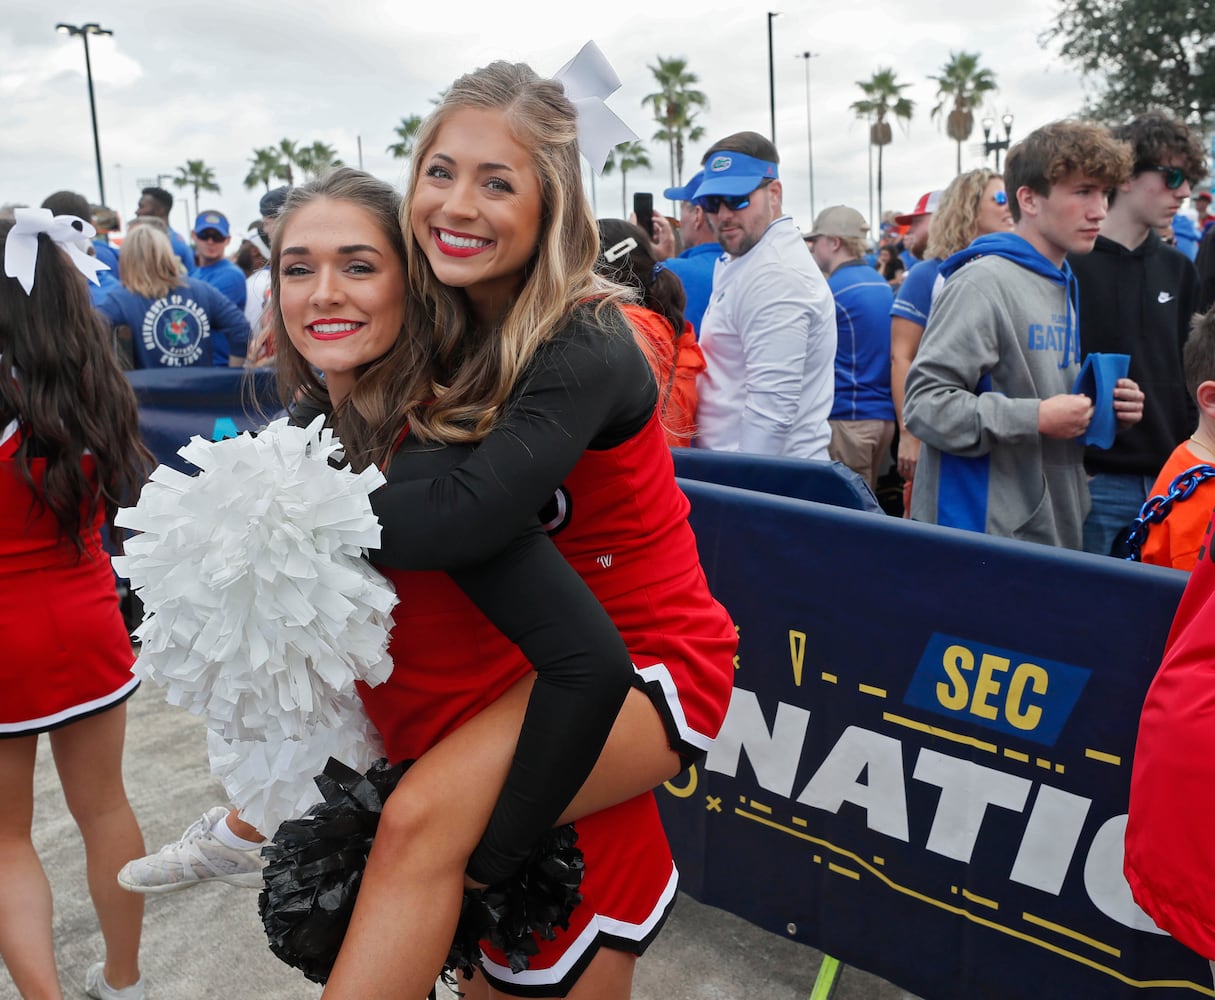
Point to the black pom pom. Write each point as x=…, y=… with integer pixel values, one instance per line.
x=314, y=866
x=515, y=914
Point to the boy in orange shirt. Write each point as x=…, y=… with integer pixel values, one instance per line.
x=1175, y=541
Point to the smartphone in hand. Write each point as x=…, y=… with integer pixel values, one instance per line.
x=643, y=209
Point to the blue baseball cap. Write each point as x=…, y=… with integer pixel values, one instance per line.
x=727, y=172
x=212, y=220
x=688, y=191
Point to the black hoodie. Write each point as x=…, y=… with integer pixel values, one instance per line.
x=1140, y=302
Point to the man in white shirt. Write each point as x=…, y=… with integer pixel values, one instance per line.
x=768, y=335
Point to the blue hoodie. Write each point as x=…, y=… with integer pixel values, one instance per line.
x=1019, y=250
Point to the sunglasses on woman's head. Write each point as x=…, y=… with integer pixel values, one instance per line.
x=1174, y=177
x=1000, y=198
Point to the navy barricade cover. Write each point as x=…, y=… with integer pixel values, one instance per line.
x=214, y=403
x=925, y=766
x=824, y=482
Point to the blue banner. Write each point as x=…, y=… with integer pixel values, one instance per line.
x=925, y=767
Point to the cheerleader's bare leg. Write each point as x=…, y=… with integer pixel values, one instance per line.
x=25, y=904
x=409, y=901
x=88, y=756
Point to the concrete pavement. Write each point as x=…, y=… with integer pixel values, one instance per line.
x=208, y=941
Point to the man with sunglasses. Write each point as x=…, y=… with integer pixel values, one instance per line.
x=768, y=335
x=212, y=234
x=1137, y=296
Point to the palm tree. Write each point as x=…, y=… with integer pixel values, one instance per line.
x=265, y=165
x=317, y=159
x=676, y=105
x=288, y=152
x=406, y=133
x=197, y=175
x=625, y=157
x=960, y=89
x=882, y=100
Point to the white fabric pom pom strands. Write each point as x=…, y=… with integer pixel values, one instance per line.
x=260, y=610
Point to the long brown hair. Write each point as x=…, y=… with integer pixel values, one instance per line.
x=460, y=393
x=659, y=289
x=370, y=419
x=60, y=379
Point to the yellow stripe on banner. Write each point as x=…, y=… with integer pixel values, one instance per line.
x=760, y=807
x=831, y=678
x=1016, y=755
x=870, y=689
x=945, y=734
x=981, y=900
x=1105, y=758
x=844, y=871
x=978, y=918
x=1109, y=949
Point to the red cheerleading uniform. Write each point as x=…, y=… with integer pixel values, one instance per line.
x=514, y=601
x=67, y=654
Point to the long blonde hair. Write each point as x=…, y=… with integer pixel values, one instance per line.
x=148, y=265
x=956, y=221
x=459, y=395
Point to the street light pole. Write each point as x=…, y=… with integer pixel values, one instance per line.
x=991, y=145
x=807, y=56
x=772, y=15
x=92, y=28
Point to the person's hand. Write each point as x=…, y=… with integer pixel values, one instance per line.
x=909, y=454
x=1128, y=402
x=1064, y=416
x=664, y=237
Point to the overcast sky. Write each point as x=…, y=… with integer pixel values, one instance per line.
x=215, y=79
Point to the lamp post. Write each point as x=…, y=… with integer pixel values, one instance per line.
x=772, y=15
x=122, y=208
x=991, y=145
x=807, y=56
x=84, y=30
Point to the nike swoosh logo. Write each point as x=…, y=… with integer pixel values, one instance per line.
x=1164, y=297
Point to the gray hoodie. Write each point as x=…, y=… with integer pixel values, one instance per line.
x=1000, y=339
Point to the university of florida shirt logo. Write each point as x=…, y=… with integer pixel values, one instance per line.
x=174, y=331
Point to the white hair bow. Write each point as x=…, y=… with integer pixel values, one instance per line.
x=588, y=80
x=69, y=231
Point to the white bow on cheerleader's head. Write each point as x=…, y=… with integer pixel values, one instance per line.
x=69, y=231
x=588, y=80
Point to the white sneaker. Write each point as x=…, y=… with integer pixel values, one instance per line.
x=96, y=986
x=197, y=857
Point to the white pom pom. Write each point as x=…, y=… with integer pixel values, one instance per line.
x=273, y=781
x=260, y=611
